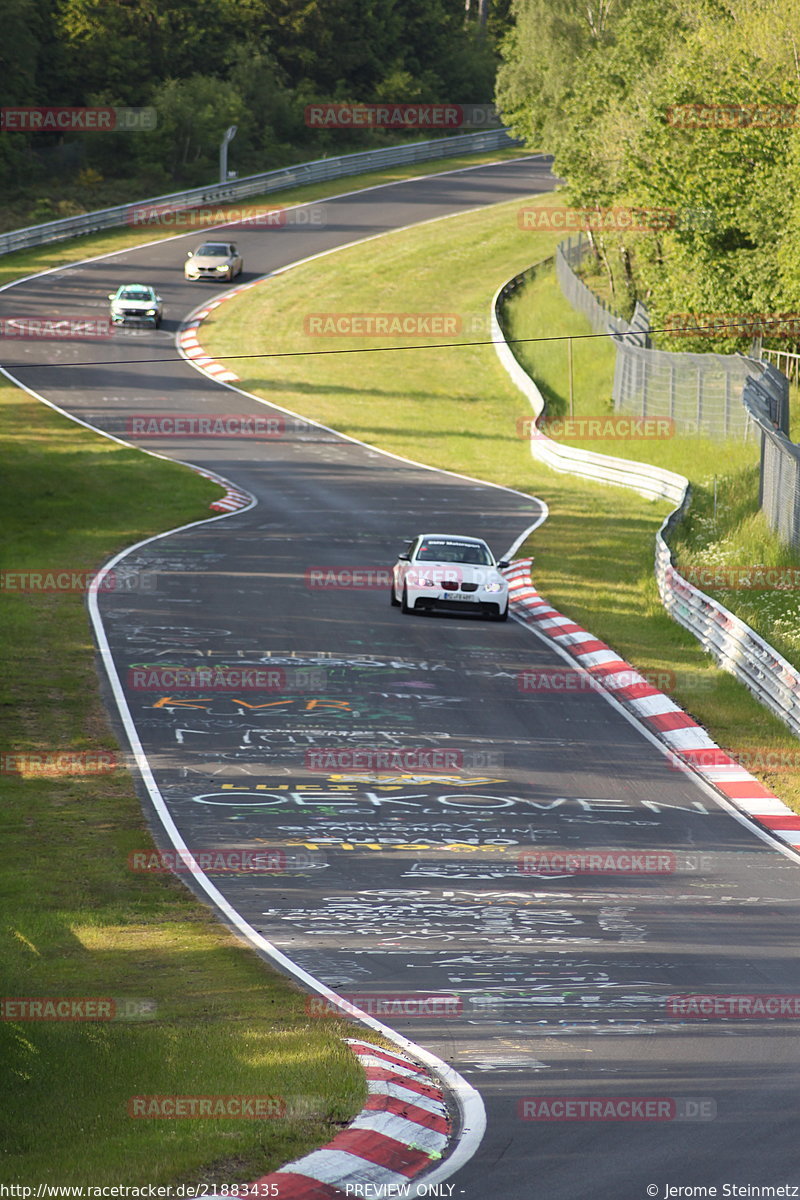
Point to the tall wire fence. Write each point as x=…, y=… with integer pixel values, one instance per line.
x=713, y=395
x=779, y=489
x=701, y=393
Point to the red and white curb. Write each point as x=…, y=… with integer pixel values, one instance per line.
x=689, y=741
x=403, y=1129
x=234, y=498
x=189, y=344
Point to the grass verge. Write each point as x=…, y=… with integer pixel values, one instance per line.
x=455, y=408
x=77, y=922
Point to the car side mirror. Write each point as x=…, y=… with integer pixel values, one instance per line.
x=112, y=295
x=504, y=563
x=190, y=254
x=158, y=299
x=404, y=557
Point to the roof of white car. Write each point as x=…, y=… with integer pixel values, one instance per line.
x=452, y=537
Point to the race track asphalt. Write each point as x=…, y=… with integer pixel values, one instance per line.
x=552, y=985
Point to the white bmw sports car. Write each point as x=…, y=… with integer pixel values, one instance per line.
x=442, y=571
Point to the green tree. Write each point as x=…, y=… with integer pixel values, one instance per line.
x=193, y=115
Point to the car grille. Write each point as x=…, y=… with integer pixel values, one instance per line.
x=133, y=312
x=469, y=587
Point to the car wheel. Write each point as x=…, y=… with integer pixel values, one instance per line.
x=229, y=276
x=393, y=598
x=157, y=322
x=404, y=607
x=500, y=616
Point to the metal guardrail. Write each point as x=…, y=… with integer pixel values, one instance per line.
x=652, y=482
x=736, y=647
x=255, y=185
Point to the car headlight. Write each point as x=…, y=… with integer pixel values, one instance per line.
x=493, y=587
x=224, y=267
x=151, y=312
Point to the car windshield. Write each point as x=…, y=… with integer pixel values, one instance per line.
x=214, y=249
x=135, y=293
x=451, y=550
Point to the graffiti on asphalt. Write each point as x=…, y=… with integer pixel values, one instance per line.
x=345, y=797
x=469, y=917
